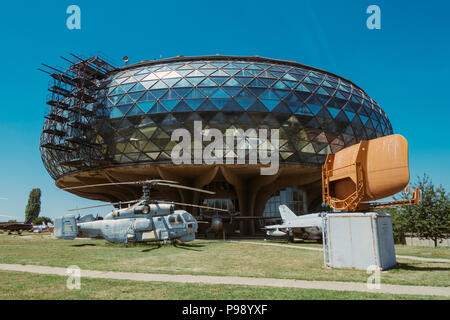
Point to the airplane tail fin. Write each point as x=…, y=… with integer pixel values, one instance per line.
x=66, y=227
x=286, y=213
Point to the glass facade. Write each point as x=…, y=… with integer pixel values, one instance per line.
x=292, y=197
x=138, y=107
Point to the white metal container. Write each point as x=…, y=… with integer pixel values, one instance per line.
x=359, y=240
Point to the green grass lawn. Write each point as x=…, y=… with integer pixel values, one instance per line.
x=208, y=257
x=25, y=286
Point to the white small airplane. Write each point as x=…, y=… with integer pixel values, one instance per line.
x=40, y=228
x=308, y=226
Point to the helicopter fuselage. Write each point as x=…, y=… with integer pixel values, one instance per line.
x=140, y=223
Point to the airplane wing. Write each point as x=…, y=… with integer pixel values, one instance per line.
x=275, y=226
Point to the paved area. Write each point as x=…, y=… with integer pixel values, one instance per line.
x=325, y=285
x=320, y=249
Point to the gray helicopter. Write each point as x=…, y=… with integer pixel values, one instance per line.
x=145, y=220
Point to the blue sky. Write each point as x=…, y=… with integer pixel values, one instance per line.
x=405, y=66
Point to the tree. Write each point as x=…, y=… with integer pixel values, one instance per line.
x=34, y=205
x=430, y=219
x=41, y=220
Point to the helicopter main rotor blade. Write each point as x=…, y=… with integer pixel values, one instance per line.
x=104, y=205
x=119, y=183
x=195, y=205
x=183, y=187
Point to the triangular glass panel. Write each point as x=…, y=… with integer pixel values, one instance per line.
x=269, y=94
x=195, y=93
x=245, y=81
x=245, y=119
x=281, y=93
x=181, y=92
x=314, y=108
x=158, y=93
x=169, y=104
x=124, y=108
x=363, y=119
x=135, y=95
x=196, y=73
x=287, y=76
x=256, y=91
x=207, y=91
x=282, y=108
x=244, y=93
x=290, y=84
x=207, y=83
x=182, y=106
x=269, y=82
x=145, y=106
x=194, y=103
x=220, y=73
x=280, y=85
x=220, y=103
x=148, y=84
x=257, y=83
x=183, y=83
x=334, y=111
x=135, y=111
x=243, y=73
x=159, y=85
x=291, y=97
x=324, y=113
x=253, y=72
x=232, y=82
x=233, y=91
x=207, y=105
x=115, y=113
x=245, y=103
x=308, y=148
x=147, y=96
x=301, y=87
x=219, y=80
x=171, y=82
x=257, y=106
x=170, y=94
x=350, y=115
x=158, y=108
x=220, y=93
x=322, y=91
x=196, y=80
x=270, y=104
x=137, y=87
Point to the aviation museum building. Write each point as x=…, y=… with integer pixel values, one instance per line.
x=107, y=124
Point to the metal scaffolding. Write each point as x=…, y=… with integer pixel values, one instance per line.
x=70, y=129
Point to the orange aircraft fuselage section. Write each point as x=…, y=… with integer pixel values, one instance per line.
x=367, y=171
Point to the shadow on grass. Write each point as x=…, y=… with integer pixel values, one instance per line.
x=84, y=245
x=150, y=249
x=187, y=246
x=405, y=266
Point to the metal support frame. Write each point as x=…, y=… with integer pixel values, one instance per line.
x=69, y=127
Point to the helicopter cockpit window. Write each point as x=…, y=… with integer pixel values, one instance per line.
x=188, y=217
x=179, y=219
